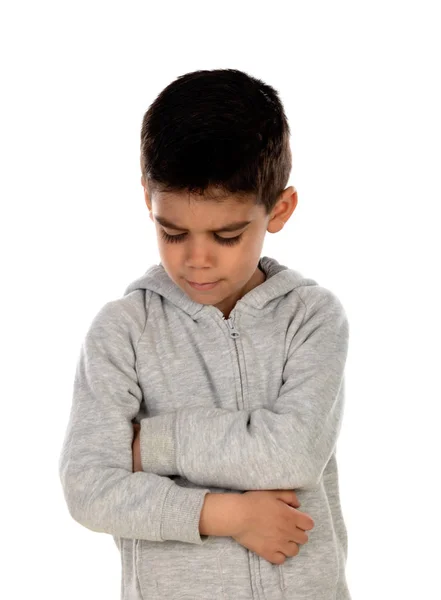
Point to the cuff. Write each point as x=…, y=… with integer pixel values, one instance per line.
x=158, y=444
x=181, y=514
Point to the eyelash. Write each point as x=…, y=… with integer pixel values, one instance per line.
x=179, y=238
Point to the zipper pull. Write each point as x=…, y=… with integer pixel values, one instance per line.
x=233, y=331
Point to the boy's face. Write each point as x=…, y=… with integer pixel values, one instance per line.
x=200, y=255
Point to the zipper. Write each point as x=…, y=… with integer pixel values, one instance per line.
x=234, y=333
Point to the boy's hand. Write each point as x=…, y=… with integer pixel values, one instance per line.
x=136, y=449
x=270, y=525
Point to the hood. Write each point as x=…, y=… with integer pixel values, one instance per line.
x=280, y=280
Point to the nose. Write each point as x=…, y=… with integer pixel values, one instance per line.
x=198, y=255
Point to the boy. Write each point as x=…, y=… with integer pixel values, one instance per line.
x=208, y=400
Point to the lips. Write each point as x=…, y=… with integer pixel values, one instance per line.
x=203, y=286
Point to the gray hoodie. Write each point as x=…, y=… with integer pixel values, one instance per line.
x=252, y=402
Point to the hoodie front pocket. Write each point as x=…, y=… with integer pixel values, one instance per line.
x=179, y=571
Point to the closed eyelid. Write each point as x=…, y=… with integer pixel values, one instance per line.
x=213, y=232
x=221, y=240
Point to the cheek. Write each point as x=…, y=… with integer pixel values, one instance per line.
x=168, y=256
x=169, y=253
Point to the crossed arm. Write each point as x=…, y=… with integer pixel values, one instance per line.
x=284, y=448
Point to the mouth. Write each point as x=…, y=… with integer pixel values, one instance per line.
x=203, y=286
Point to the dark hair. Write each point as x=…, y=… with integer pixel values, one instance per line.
x=217, y=133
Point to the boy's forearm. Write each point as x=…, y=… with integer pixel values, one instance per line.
x=221, y=514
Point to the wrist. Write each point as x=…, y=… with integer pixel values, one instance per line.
x=222, y=514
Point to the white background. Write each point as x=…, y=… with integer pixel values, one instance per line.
x=360, y=82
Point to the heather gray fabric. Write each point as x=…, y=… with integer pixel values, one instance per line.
x=252, y=402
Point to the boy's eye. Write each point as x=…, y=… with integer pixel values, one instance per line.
x=181, y=236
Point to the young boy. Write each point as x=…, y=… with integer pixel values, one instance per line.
x=208, y=399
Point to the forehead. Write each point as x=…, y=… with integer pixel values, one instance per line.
x=193, y=212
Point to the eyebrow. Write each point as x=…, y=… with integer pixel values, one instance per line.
x=230, y=227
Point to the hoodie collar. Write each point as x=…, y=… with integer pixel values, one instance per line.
x=280, y=280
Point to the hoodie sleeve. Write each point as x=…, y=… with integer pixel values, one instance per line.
x=95, y=466
x=286, y=447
